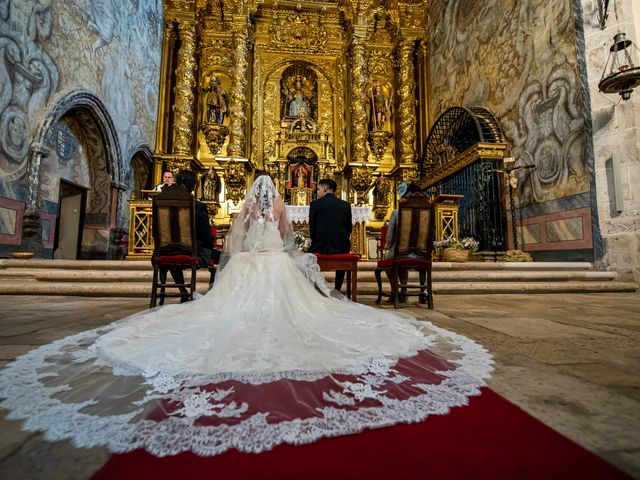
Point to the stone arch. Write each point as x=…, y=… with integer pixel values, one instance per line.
x=141, y=164
x=84, y=151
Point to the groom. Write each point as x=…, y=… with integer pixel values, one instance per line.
x=330, y=224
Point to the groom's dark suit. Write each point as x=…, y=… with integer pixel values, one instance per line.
x=330, y=228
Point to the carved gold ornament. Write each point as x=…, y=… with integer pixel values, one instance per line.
x=215, y=135
x=177, y=164
x=184, y=96
x=361, y=182
x=296, y=31
x=378, y=143
x=234, y=180
x=358, y=101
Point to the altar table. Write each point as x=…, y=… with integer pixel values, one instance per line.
x=359, y=217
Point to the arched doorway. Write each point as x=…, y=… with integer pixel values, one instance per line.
x=141, y=170
x=82, y=166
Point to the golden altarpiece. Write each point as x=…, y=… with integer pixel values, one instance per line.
x=303, y=90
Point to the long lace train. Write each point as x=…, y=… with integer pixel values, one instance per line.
x=261, y=359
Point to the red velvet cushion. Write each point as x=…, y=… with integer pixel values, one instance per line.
x=174, y=259
x=404, y=262
x=337, y=256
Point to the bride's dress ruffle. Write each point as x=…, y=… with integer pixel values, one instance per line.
x=262, y=359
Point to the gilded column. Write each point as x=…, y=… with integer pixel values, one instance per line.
x=184, y=96
x=237, y=101
x=359, y=153
x=168, y=37
x=406, y=108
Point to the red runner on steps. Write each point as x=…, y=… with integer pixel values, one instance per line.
x=489, y=439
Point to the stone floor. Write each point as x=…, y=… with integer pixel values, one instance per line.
x=570, y=360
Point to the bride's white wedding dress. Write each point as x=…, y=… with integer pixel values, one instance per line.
x=261, y=359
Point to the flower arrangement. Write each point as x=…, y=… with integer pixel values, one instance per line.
x=466, y=243
x=303, y=243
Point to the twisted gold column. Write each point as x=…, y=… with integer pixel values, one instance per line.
x=184, y=97
x=406, y=109
x=359, y=152
x=237, y=102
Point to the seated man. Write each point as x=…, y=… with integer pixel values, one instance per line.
x=330, y=224
x=403, y=189
x=204, y=237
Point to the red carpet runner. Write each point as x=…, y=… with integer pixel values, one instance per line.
x=490, y=439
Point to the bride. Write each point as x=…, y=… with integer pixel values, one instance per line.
x=263, y=358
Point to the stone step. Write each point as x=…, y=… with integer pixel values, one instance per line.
x=140, y=289
x=112, y=265
x=133, y=278
x=364, y=276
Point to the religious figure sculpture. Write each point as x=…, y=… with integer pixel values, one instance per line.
x=297, y=99
x=298, y=96
x=211, y=185
x=380, y=105
x=217, y=101
x=303, y=122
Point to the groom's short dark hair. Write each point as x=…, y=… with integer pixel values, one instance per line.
x=187, y=179
x=331, y=185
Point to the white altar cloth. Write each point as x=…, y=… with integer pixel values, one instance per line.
x=300, y=214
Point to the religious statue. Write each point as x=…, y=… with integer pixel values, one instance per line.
x=211, y=185
x=217, y=101
x=303, y=122
x=297, y=92
x=302, y=178
x=380, y=106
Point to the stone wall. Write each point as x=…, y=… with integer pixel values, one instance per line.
x=616, y=138
x=521, y=60
x=96, y=63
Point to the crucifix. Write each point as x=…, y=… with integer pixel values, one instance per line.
x=512, y=182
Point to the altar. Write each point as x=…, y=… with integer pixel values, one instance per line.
x=141, y=240
x=299, y=215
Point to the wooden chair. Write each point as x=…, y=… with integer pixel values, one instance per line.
x=174, y=236
x=342, y=261
x=382, y=242
x=413, y=235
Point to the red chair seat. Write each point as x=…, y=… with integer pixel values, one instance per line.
x=337, y=256
x=404, y=263
x=175, y=259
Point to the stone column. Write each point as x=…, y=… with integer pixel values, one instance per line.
x=184, y=96
x=31, y=225
x=237, y=100
x=359, y=153
x=407, y=101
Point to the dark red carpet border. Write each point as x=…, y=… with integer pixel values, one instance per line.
x=489, y=439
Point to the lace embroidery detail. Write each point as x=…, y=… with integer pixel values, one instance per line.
x=300, y=214
x=34, y=392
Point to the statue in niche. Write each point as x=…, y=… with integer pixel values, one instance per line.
x=298, y=92
x=297, y=99
x=211, y=185
x=217, y=101
x=380, y=108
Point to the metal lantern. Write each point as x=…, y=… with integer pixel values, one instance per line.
x=620, y=75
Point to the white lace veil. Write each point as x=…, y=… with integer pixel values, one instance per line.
x=263, y=203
